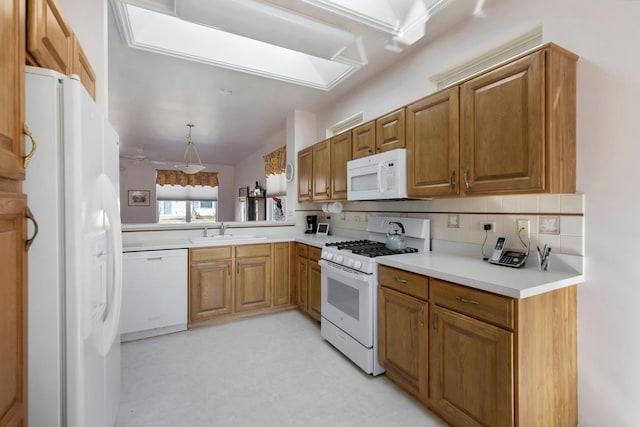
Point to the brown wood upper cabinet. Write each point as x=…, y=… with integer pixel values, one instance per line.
x=82, y=67
x=390, y=131
x=49, y=36
x=305, y=171
x=433, y=145
x=363, y=140
x=322, y=169
x=340, y=154
x=518, y=126
x=52, y=44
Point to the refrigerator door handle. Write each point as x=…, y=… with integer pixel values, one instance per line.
x=112, y=321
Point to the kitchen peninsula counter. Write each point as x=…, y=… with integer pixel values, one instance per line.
x=564, y=270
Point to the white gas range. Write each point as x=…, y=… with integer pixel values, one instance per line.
x=350, y=287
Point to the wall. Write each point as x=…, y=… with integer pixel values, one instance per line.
x=251, y=169
x=143, y=177
x=88, y=18
x=607, y=130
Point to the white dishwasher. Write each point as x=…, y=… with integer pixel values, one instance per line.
x=154, y=295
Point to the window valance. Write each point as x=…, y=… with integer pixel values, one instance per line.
x=275, y=162
x=169, y=177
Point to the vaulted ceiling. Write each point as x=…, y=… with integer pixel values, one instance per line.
x=236, y=68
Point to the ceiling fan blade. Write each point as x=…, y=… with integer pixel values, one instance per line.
x=159, y=162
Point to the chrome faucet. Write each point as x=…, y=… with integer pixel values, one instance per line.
x=222, y=228
x=204, y=232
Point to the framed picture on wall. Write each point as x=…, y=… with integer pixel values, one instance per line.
x=138, y=198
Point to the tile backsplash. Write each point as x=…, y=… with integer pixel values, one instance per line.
x=556, y=219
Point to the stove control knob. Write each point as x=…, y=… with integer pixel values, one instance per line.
x=339, y=259
x=329, y=256
x=357, y=264
x=350, y=262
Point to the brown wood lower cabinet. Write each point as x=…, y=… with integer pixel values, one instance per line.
x=282, y=273
x=302, y=276
x=403, y=340
x=238, y=281
x=315, y=294
x=253, y=283
x=471, y=366
x=478, y=358
x=308, y=279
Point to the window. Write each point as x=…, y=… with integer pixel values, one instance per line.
x=182, y=203
x=181, y=211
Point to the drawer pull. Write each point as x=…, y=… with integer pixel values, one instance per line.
x=395, y=279
x=159, y=258
x=466, y=301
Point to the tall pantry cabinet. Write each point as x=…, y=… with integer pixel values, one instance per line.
x=13, y=205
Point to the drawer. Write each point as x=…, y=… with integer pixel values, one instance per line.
x=208, y=254
x=482, y=305
x=245, y=251
x=404, y=281
x=314, y=253
x=301, y=249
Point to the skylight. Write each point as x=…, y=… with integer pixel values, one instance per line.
x=157, y=32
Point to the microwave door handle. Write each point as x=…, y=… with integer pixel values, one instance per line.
x=380, y=182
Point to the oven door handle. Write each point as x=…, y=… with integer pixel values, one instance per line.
x=352, y=274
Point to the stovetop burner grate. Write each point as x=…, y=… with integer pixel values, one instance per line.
x=369, y=248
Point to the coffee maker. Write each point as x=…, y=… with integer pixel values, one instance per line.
x=312, y=224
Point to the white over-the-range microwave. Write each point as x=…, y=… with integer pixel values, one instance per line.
x=380, y=176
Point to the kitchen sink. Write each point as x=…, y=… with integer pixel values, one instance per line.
x=225, y=238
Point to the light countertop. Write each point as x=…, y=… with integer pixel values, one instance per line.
x=186, y=243
x=476, y=273
x=564, y=270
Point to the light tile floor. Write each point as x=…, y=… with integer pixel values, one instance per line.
x=274, y=370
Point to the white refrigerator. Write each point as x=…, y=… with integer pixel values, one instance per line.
x=75, y=261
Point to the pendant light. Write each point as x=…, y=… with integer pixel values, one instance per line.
x=186, y=166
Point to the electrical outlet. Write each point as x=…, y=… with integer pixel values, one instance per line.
x=491, y=226
x=523, y=224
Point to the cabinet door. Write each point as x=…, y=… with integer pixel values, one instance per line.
x=471, y=367
x=210, y=285
x=281, y=282
x=315, y=297
x=322, y=171
x=390, y=131
x=13, y=258
x=340, y=154
x=302, y=275
x=403, y=340
x=305, y=170
x=363, y=140
x=82, y=67
x=13, y=309
x=12, y=94
x=49, y=36
x=502, y=127
x=253, y=283
x=433, y=145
